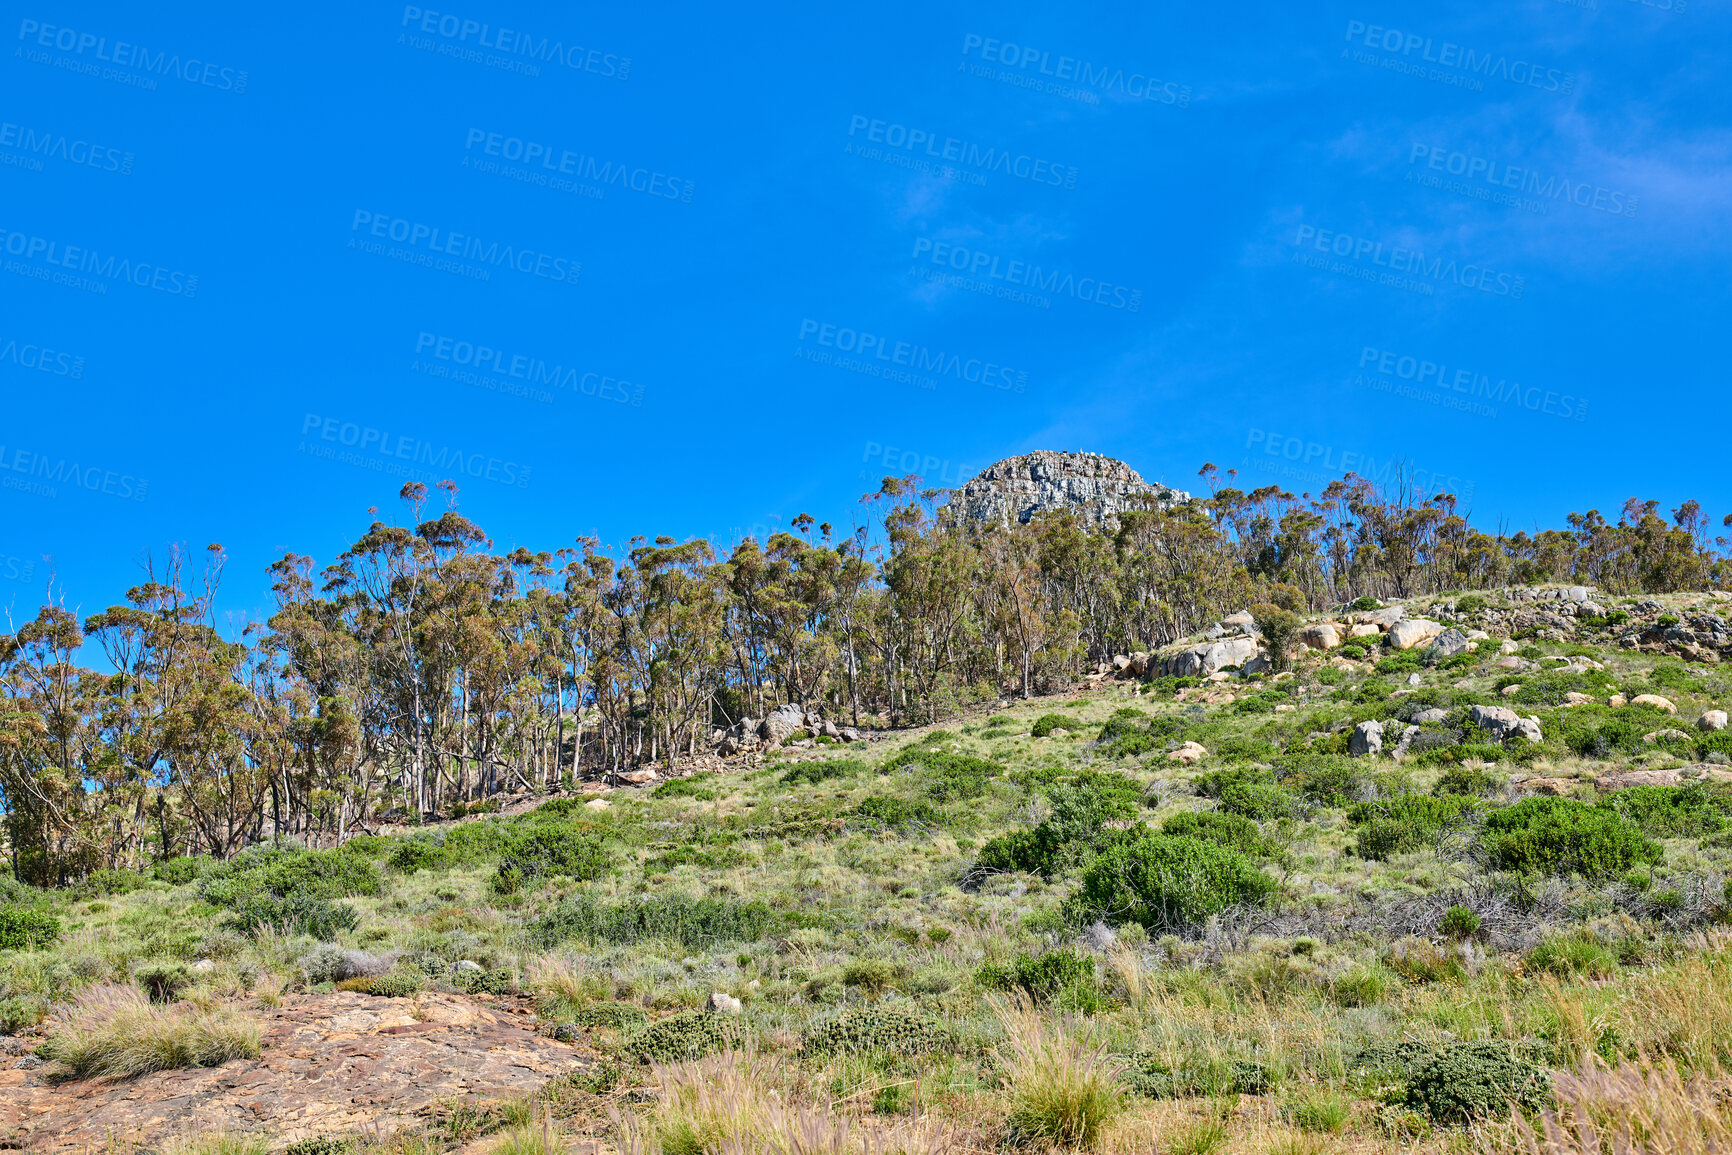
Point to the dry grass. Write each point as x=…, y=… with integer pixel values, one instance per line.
x=1064, y=1087
x=1683, y=1011
x=1635, y=1109
x=735, y=1104
x=219, y=1143
x=115, y=1031
x=564, y=987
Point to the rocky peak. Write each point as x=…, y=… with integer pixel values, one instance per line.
x=1098, y=488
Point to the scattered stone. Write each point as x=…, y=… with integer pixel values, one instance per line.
x=1502, y=723
x=1712, y=720
x=467, y=966
x=1617, y=700
x=1666, y=735
x=1629, y=778
x=1367, y=739
x=1507, y=647
x=1188, y=754
x=1450, y=643
x=723, y=1004
x=1510, y=691
x=1285, y=708
x=1556, y=787
x=1404, y=742
x=1405, y=635
x=1432, y=715
x=597, y=804
x=1414, y=679
x=1574, y=698
x=1655, y=702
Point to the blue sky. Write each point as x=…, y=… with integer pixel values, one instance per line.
x=669, y=269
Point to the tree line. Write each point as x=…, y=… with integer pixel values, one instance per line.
x=421, y=672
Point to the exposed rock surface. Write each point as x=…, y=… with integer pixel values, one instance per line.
x=1097, y=488
x=331, y=1065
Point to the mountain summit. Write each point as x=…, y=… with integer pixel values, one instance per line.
x=1098, y=488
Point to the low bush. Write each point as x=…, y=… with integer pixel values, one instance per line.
x=1040, y=976
x=413, y=854
x=686, y=1036
x=815, y=773
x=1564, y=836
x=1165, y=883
x=1458, y=922
x=24, y=928
x=1687, y=811
x=691, y=922
x=162, y=982
x=1404, y=823
x=1047, y=723
x=897, y=813
x=550, y=852
x=1230, y=830
x=882, y=1029
x=1462, y=1082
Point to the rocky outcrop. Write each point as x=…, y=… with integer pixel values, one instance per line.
x=1017, y=488
x=331, y=1065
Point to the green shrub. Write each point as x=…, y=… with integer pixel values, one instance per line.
x=292, y=874
x=162, y=982
x=896, y=813
x=1469, y=604
x=394, y=985
x=319, y=918
x=884, y=1029
x=685, y=1036
x=691, y=922
x=492, y=981
x=1165, y=883
x=1047, y=723
x=1231, y=830
x=614, y=1015
x=1464, y=781
x=179, y=871
x=1462, y=1082
x=1687, y=811
x=550, y=852
x=22, y=928
x=815, y=773
x=1404, y=823
x=1262, y=801
x=413, y=854
x=1087, y=809
x=1458, y=922
x=1568, y=956
x=1043, y=976
x=1563, y=836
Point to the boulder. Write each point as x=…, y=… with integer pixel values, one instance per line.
x=1432, y=715
x=1628, y=778
x=597, y=804
x=1667, y=735
x=1712, y=720
x=1321, y=636
x=1404, y=635
x=1242, y=620
x=1206, y=659
x=1139, y=667
x=1578, y=593
x=1501, y=723
x=1408, y=734
x=1367, y=739
x=1450, y=643
x=1573, y=698
x=723, y=1004
x=1363, y=630
x=1414, y=679
x=1617, y=700
x=639, y=777
x=783, y=720
x=1384, y=618
x=1121, y=662
x=1188, y=754
x=1507, y=647
x=1655, y=702
x=1556, y=787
